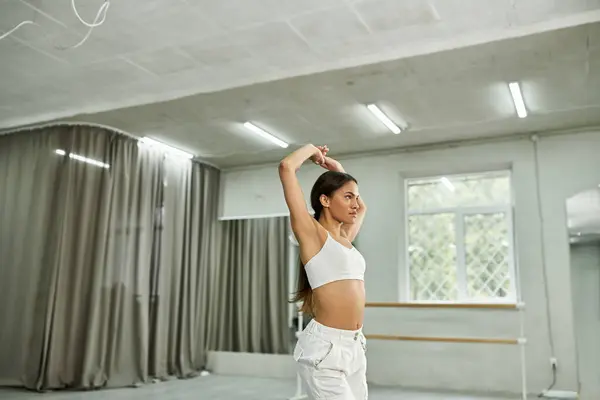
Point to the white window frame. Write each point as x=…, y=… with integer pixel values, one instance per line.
x=459, y=218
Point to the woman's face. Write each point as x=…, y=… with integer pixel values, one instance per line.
x=343, y=204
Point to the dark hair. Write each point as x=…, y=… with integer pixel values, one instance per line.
x=326, y=184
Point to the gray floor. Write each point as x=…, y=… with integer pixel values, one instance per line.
x=219, y=388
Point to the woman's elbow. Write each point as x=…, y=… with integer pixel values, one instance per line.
x=285, y=166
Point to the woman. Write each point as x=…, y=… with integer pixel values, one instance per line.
x=330, y=352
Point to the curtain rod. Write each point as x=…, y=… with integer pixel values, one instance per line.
x=91, y=124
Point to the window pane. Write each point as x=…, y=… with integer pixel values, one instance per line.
x=487, y=256
x=432, y=257
x=459, y=191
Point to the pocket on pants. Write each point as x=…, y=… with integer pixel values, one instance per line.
x=363, y=343
x=312, y=350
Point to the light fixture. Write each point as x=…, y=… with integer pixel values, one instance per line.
x=166, y=148
x=384, y=118
x=515, y=91
x=82, y=158
x=264, y=134
x=88, y=160
x=448, y=184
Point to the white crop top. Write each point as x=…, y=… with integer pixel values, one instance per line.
x=334, y=262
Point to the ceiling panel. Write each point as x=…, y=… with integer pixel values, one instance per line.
x=528, y=11
x=459, y=15
x=273, y=36
x=207, y=54
x=388, y=15
x=343, y=24
x=24, y=62
x=236, y=14
x=62, y=12
x=15, y=12
x=167, y=60
x=335, y=53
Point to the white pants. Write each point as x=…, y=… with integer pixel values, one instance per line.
x=332, y=362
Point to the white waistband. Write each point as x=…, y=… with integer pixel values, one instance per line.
x=332, y=333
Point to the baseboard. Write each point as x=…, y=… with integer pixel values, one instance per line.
x=560, y=395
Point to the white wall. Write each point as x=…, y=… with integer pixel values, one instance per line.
x=567, y=164
x=585, y=272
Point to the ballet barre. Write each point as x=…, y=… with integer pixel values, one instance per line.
x=486, y=306
x=444, y=339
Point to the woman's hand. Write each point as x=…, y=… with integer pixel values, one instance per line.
x=319, y=156
x=332, y=165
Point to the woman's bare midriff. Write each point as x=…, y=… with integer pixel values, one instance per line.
x=340, y=304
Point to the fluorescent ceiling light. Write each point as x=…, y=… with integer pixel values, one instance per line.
x=448, y=184
x=166, y=148
x=515, y=91
x=264, y=134
x=384, y=118
x=83, y=159
x=88, y=160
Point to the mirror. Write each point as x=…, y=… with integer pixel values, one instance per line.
x=583, y=216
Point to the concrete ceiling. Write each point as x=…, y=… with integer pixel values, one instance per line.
x=190, y=72
x=451, y=95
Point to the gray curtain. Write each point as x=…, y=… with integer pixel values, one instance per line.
x=75, y=251
x=105, y=271
x=249, y=308
x=182, y=280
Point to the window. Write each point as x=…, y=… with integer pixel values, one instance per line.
x=459, y=238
